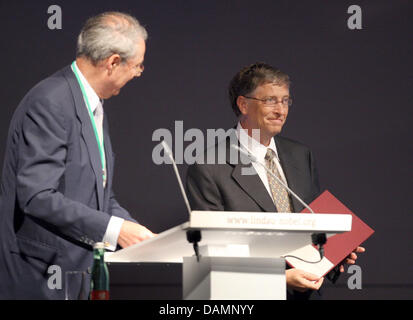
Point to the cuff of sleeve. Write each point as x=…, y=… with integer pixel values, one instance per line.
x=112, y=233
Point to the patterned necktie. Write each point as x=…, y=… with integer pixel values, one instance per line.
x=280, y=195
x=98, y=115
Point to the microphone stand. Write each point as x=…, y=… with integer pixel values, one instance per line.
x=193, y=236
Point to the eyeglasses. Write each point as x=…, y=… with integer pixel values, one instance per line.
x=139, y=68
x=272, y=101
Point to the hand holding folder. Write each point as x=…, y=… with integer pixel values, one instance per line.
x=340, y=247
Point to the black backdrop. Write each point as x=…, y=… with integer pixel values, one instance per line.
x=352, y=91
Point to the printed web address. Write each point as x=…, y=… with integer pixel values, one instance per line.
x=271, y=221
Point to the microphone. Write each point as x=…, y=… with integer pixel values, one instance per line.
x=255, y=160
x=318, y=239
x=193, y=236
x=168, y=151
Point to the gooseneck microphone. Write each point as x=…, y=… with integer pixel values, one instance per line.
x=193, y=236
x=168, y=151
x=255, y=160
x=318, y=239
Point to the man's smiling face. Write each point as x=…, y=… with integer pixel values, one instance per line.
x=269, y=118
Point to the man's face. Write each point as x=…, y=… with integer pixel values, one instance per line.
x=269, y=118
x=122, y=73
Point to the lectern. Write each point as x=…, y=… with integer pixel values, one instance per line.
x=241, y=254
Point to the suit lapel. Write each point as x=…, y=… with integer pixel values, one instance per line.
x=109, y=161
x=252, y=183
x=87, y=132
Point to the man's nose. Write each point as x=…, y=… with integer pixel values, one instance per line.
x=279, y=108
x=139, y=70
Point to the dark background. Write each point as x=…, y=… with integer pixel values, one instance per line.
x=352, y=94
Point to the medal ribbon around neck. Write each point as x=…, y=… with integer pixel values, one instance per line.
x=92, y=119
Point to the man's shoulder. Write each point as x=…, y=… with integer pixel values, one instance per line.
x=290, y=144
x=218, y=147
x=50, y=93
x=55, y=86
x=50, y=97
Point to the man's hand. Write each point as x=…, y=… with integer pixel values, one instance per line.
x=352, y=257
x=302, y=281
x=132, y=233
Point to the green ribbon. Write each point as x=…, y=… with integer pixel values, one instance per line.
x=92, y=119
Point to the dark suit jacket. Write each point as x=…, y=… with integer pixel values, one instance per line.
x=53, y=206
x=223, y=187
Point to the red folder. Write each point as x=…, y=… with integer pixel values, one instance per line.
x=339, y=246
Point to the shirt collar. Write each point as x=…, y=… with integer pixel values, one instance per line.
x=90, y=93
x=253, y=146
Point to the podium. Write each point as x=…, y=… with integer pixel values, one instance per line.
x=241, y=253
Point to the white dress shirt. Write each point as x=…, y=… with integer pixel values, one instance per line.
x=259, y=150
x=115, y=223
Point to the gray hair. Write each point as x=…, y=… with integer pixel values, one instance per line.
x=110, y=33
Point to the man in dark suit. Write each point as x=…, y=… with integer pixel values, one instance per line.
x=260, y=98
x=56, y=196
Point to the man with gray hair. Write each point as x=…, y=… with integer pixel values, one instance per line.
x=56, y=196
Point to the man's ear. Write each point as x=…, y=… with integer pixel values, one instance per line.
x=112, y=62
x=242, y=105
